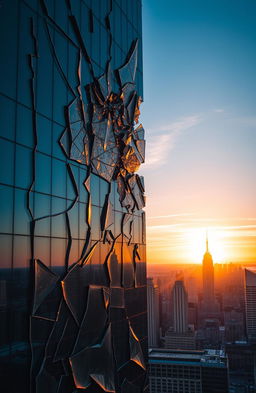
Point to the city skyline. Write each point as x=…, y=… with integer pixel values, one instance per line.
x=199, y=93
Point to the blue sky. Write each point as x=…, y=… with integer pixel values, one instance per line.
x=199, y=114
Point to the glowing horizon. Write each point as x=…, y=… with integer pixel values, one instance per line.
x=184, y=242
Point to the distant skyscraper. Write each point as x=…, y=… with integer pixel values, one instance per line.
x=208, y=280
x=153, y=313
x=180, y=307
x=250, y=303
x=180, y=336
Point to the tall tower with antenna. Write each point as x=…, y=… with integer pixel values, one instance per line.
x=208, y=279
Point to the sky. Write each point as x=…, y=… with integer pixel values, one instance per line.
x=199, y=60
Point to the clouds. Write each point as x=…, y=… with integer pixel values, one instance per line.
x=172, y=215
x=218, y=110
x=163, y=139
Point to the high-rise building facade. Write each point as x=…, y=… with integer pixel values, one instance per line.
x=73, y=278
x=153, y=314
x=180, y=336
x=180, y=307
x=250, y=303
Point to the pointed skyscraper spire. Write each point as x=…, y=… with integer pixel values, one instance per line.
x=207, y=248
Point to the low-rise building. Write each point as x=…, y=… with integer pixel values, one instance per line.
x=181, y=371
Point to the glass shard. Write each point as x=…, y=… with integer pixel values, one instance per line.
x=95, y=362
x=139, y=325
x=105, y=153
x=107, y=216
x=141, y=145
x=105, y=83
x=48, y=309
x=128, y=387
x=66, y=340
x=136, y=190
x=127, y=92
x=75, y=140
x=131, y=107
x=92, y=326
x=139, y=133
x=125, y=196
x=120, y=336
x=75, y=288
x=106, y=296
x=131, y=157
x=45, y=282
x=65, y=142
x=135, y=349
x=128, y=71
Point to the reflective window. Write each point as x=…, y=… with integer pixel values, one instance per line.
x=9, y=17
x=23, y=167
x=43, y=173
x=59, y=221
x=21, y=214
x=44, y=135
x=7, y=156
x=7, y=116
x=6, y=208
x=6, y=251
x=24, y=127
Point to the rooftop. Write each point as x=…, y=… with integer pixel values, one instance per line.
x=207, y=357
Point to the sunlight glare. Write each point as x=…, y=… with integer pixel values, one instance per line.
x=195, y=239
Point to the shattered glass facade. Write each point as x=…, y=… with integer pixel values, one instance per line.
x=72, y=230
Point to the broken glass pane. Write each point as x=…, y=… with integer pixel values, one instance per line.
x=75, y=288
x=128, y=267
x=139, y=325
x=65, y=142
x=105, y=153
x=132, y=306
x=95, y=362
x=128, y=387
x=131, y=158
x=135, y=349
x=74, y=140
x=66, y=340
x=128, y=71
x=45, y=282
x=136, y=189
x=140, y=265
x=92, y=326
x=117, y=297
x=49, y=307
x=114, y=266
x=107, y=215
x=120, y=335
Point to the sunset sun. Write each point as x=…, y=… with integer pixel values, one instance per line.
x=195, y=239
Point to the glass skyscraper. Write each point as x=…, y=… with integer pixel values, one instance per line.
x=73, y=277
